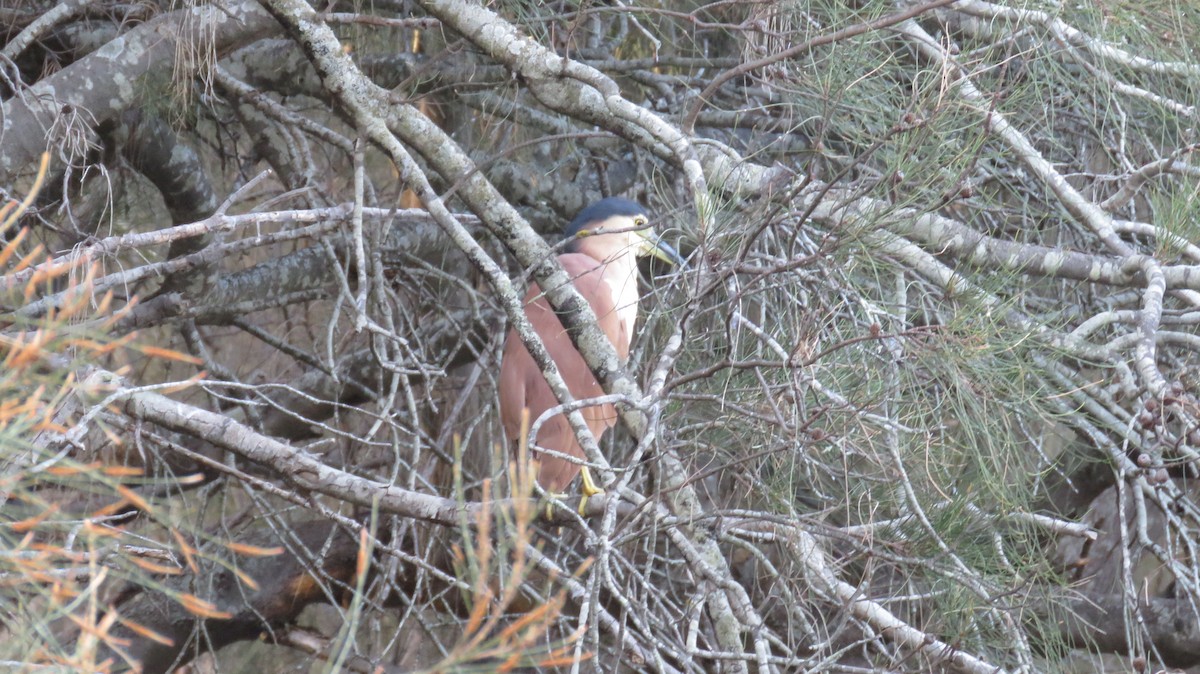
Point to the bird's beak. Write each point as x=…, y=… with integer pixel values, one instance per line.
x=654, y=246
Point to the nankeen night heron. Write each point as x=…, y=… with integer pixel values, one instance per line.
x=604, y=242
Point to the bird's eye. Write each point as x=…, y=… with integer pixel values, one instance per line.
x=639, y=221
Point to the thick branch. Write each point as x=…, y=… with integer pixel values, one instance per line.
x=108, y=82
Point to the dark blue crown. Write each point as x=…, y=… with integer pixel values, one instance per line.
x=602, y=210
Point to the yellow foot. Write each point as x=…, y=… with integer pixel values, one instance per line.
x=550, y=504
x=589, y=490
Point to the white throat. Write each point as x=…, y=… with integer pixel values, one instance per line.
x=625, y=294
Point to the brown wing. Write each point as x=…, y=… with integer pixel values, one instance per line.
x=523, y=387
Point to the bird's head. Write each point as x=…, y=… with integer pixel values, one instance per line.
x=615, y=226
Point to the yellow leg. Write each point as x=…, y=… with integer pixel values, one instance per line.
x=589, y=489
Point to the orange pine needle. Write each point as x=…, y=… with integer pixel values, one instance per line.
x=49, y=425
x=510, y=663
x=48, y=271
x=76, y=469
x=87, y=344
x=99, y=631
x=33, y=191
x=104, y=304
x=33, y=404
x=23, y=352
x=254, y=550
x=32, y=522
x=185, y=384
x=478, y=612
x=30, y=288
x=524, y=621
x=134, y=498
x=584, y=566
x=205, y=609
x=61, y=593
x=169, y=354
x=364, y=554
x=562, y=661
x=155, y=567
x=147, y=632
x=110, y=509
x=246, y=579
x=11, y=248
x=187, y=550
x=112, y=437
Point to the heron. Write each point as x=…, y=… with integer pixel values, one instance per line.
x=603, y=244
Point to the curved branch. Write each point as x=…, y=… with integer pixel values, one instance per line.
x=106, y=83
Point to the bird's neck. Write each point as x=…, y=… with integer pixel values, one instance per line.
x=620, y=270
